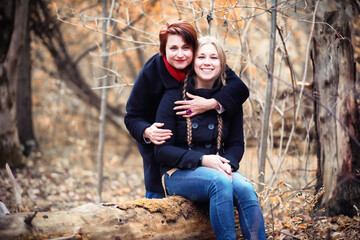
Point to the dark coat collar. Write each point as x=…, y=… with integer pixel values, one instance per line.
x=202, y=92
x=168, y=80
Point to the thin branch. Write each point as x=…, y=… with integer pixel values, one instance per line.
x=196, y=21
x=113, y=86
x=177, y=8
x=15, y=187
x=78, y=59
x=102, y=31
x=108, y=69
x=288, y=62
x=117, y=52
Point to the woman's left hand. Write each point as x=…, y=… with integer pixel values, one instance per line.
x=218, y=163
x=197, y=105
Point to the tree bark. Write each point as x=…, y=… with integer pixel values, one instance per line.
x=24, y=100
x=168, y=218
x=103, y=107
x=334, y=83
x=10, y=150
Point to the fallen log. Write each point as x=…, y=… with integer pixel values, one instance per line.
x=168, y=218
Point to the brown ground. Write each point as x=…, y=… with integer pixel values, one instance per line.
x=63, y=186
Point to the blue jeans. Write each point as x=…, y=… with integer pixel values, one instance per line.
x=149, y=194
x=204, y=184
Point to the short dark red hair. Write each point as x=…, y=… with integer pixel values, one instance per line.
x=179, y=27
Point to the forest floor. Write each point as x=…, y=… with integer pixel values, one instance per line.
x=64, y=185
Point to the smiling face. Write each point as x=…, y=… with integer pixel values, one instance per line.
x=178, y=53
x=207, y=66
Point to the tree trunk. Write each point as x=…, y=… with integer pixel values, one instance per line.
x=168, y=218
x=24, y=101
x=334, y=84
x=268, y=101
x=100, y=152
x=10, y=150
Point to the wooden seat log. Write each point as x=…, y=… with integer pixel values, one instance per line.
x=168, y=218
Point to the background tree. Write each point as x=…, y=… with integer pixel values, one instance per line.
x=24, y=97
x=14, y=16
x=338, y=131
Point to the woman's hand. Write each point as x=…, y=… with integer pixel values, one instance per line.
x=157, y=135
x=197, y=105
x=218, y=163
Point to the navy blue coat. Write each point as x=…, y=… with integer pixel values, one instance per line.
x=144, y=100
x=175, y=152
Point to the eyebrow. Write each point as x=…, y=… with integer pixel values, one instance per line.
x=184, y=45
x=213, y=54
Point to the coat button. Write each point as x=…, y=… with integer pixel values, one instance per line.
x=189, y=165
x=195, y=125
x=211, y=126
x=208, y=145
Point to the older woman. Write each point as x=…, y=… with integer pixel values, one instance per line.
x=201, y=160
x=163, y=71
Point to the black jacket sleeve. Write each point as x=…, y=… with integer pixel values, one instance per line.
x=137, y=107
x=234, y=94
x=234, y=144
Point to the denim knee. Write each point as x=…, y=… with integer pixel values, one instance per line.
x=245, y=191
x=222, y=184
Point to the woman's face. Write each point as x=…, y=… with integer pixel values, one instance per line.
x=179, y=54
x=207, y=66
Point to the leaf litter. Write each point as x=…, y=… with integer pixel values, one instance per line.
x=289, y=214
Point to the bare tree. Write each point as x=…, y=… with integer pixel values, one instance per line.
x=269, y=86
x=338, y=131
x=15, y=15
x=24, y=98
x=105, y=48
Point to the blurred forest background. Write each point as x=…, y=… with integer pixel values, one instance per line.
x=71, y=49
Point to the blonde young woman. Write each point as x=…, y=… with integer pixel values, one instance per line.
x=201, y=159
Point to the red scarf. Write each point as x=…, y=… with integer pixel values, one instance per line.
x=177, y=74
